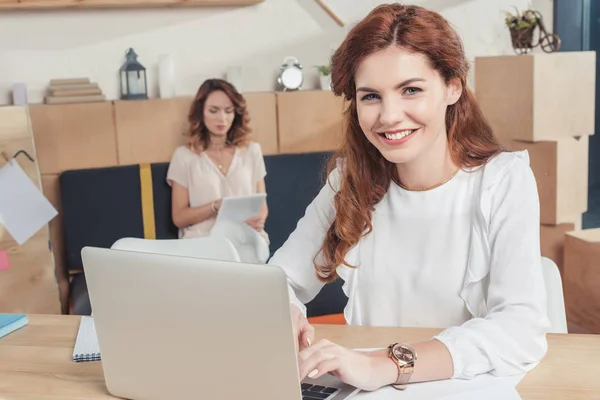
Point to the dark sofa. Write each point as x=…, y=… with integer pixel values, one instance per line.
x=102, y=205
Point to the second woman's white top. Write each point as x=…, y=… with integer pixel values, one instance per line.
x=464, y=256
x=205, y=182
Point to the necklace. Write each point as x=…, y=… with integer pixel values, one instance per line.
x=429, y=187
x=219, y=150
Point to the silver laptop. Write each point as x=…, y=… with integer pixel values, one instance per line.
x=186, y=328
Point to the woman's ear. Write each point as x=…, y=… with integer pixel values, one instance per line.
x=454, y=91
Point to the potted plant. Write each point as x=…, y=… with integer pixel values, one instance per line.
x=325, y=76
x=522, y=26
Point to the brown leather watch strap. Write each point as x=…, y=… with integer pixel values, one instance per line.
x=404, y=374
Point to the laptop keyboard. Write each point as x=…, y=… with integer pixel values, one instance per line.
x=317, y=392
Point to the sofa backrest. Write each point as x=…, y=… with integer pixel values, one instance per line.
x=103, y=205
x=293, y=181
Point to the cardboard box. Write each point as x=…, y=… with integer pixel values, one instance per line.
x=561, y=172
x=552, y=240
x=581, y=278
x=538, y=96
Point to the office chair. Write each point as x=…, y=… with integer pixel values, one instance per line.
x=555, y=298
x=212, y=247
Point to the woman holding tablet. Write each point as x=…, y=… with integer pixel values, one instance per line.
x=219, y=161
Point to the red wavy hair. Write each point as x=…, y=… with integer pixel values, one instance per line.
x=367, y=175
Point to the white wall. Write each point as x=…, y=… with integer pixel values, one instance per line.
x=38, y=46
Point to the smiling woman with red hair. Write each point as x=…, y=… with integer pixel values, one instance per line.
x=429, y=222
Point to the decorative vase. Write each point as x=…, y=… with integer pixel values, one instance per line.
x=166, y=77
x=325, y=81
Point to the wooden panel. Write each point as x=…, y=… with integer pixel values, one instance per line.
x=74, y=136
x=51, y=4
x=15, y=135
x=581, y=278
x=28, y=286
x=51, y=189
x=262, y=108
x=150, y=130
x=537, y=96
x=561, y=170
x=309, y=121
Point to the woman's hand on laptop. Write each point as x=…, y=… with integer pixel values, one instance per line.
x=303, y=331
x=366, y=370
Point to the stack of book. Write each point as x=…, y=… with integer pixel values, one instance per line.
x=76, y=90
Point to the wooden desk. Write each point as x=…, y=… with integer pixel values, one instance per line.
x=35, y=361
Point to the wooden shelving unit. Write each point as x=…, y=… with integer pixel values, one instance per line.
x=57, y=4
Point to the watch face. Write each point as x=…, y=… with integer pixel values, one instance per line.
x=291, y=78
x=403, y=354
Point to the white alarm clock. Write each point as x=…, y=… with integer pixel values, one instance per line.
x=290, y=74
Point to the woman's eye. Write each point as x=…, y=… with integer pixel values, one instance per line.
x=412, y=90
x=370, y=96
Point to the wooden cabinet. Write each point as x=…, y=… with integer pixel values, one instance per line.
x=149, y=131
x=309, y=121
x=52, y=4
x=74, y=136
x=262, y=109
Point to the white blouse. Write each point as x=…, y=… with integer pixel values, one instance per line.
x=464, y=256
x=206, y=183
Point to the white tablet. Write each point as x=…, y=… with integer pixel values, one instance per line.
x=240, y=208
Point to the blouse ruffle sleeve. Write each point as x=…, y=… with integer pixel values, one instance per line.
x=504, y=286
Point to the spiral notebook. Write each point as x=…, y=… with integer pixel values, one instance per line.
x=86, y=344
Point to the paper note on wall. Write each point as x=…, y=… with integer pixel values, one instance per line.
x=4, y=261
x=23, y=208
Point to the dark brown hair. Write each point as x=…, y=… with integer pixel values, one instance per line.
x=367, y=175
x=239, y=133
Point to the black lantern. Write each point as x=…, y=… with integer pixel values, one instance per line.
x=133, y=79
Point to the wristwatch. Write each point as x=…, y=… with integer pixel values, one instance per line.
x=404, y=356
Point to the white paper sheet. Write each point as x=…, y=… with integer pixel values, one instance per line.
x=485, y=386
x=240, y=208
x=23, y=208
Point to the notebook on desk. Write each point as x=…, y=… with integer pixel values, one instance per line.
x=86, y=344
x=11, y=322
